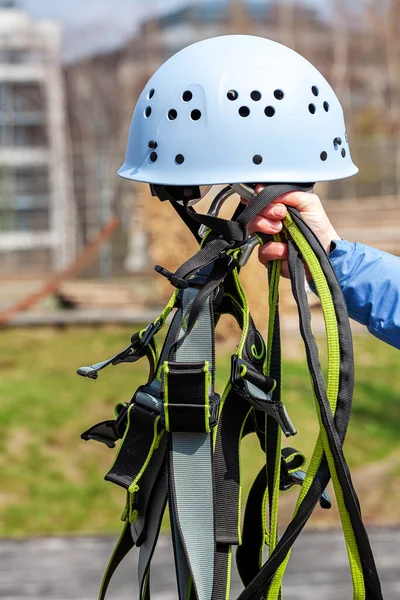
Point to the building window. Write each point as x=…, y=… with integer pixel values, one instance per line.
x=22, y=115
x=24, y=199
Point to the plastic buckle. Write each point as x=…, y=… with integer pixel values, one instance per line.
x=214, y=400
x=177, y=282
x=148, y=334
x=264, y=401
x=108, y=432
x=236, y=368
x=288, y=480
x=146, y=399
x=132, y=353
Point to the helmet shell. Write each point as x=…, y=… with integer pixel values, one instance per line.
x=237, y=109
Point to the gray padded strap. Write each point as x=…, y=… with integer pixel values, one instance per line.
x=191, y=469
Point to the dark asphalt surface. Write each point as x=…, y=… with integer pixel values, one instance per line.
x=72, y=568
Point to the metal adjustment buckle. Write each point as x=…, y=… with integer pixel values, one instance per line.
x=250, y=245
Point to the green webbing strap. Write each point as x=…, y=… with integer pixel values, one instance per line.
x=339, y=379
x=272, y=368
x=323, y=441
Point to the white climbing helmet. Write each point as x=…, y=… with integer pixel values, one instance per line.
x=237, y=109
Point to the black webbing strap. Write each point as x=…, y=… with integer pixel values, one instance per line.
x=234, y=413
x=149, y=482
x=232, y=233
x=222, y=572
x=249, y=553
x=186, y=397
x=267, y=195
x=136, y=448
x=122, y=548
x=151, y=515
x=154, y=516
x=187, y=218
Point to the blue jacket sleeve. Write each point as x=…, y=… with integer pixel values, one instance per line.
x=370, y=281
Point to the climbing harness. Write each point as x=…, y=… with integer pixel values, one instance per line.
x=179, y=439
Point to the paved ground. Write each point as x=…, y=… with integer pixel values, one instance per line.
x=71, y=569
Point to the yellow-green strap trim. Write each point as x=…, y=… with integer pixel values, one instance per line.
x=322, y=444
x=273, y=306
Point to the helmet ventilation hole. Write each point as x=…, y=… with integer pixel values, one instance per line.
x=324, y=155
x=153, y=156
x=147, y=111
x=179, y=159
x=269, y=111
x=312, y=108
x=279, y=94
x=244, y=111
x=255, y=95
x=187, y=96
x=232, y=95
x=152, y=144
x=151, y=93
x=195, y=115
x=257, y=159
x=315, y=90
x=326, y=106
x=172, y=114
x=337, y=141
x=343, y=152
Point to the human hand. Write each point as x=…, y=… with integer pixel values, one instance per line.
x=269, y=220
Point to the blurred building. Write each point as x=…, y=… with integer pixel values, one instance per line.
x=37, y=231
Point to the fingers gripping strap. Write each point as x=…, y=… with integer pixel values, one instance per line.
x=267, y=195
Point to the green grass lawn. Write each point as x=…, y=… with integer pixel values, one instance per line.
x=51, y=481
